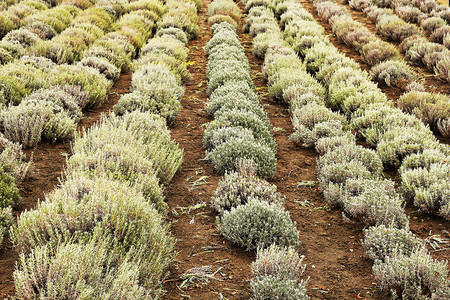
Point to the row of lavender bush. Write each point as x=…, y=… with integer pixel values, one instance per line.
x=432, y=17
x=102, y=234
x=52, y=112
x=350, y=175
x=388, y=67
x=418, y=49
x=240, y=143
x=15, y=14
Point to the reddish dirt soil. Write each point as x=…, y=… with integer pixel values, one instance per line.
x=47, y=169
x=336, y=264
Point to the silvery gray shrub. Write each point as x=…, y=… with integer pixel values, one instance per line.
x=258, y=224
x=235, y=189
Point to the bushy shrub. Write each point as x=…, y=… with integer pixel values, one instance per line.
x=220, y=104
x=182, y=22
x=61, y=100
x=312, y=122
x=393, y=73
x=54, y=50
x=137, y=155
x=218, y=19
x=9, y=192
x=82, y=270
x=18, y=80
x=348, y=90
x=6, y=25
x=152, y=5
x=261, y=128
x=375, y=202
x=429, y=107
x=329, y=143
x=440, y=34
x=281, y=262
x=395, y=29
x=174, y=33
x=224, y=8
x=432, y=23
x=409, y=14
x=229, y=73
x=235, y=87
x=43, y=117
x=38, y=62
x=328, y=10
x=270, y=287
x=258, y=224
x=372, y=121
x=235, y=189
x=428, y=187
x=88, y=79
x=378, y=51
x=6, y=220
x=178, y=67
x=348, y=153
x=22, y=36
x=156, y=90
x=399, y=142
x=413, y=276
x=167, y=46
x=44, y=31
x=383, y=241
x=228, y=155
x=104, y=67
x=373, y=12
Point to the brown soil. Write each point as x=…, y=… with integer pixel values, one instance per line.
x=47, y=169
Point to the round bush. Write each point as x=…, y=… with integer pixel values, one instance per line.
x=258, y=224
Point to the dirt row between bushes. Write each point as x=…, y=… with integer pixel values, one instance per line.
x=49, y=161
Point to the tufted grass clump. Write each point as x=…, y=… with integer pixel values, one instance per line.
x=258, y=224
x=235, y=189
